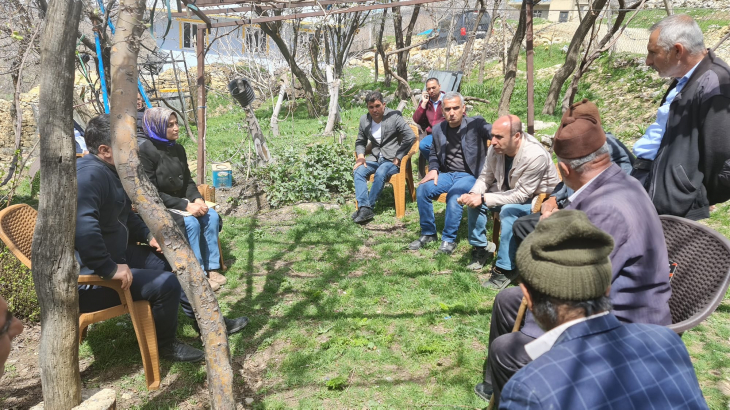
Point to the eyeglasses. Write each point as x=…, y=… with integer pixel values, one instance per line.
x=8, y=321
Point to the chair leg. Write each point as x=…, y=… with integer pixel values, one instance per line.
x=496, y=231
x=399, y=192
x=147, y=339
x=220, y=252
x=409, y=182
x=83, y=331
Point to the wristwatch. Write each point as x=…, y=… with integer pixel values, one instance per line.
x=482, y=199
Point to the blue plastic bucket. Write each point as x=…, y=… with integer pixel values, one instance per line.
x=222, y=175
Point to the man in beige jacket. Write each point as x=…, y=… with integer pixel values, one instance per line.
x=518, y=169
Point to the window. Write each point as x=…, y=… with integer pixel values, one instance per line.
x=255, y=41
x=189, y=35
x=563, y=17
x=537, y=13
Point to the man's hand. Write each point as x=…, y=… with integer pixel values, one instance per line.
x=470, y=200
x=360, y=161
x=424, y=99
x=549, y=206
x=432, y=175
x=125, y=275
x=156, y=246
x=396, y=162
x=197, y=209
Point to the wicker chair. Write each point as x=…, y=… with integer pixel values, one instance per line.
x=17, y=224
x=403, y=180
x=703, y=270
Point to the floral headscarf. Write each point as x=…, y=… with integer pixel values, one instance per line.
x=155, y=124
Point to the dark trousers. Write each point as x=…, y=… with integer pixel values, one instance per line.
x=150, y=282
x=506, y=351
x=156, y=261
x=524, y=226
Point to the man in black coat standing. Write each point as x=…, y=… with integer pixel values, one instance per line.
x=683, y=151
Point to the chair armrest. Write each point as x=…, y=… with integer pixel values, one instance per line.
x=538, y=204
x=96, y=280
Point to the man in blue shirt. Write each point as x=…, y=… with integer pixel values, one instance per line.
x=683, y=151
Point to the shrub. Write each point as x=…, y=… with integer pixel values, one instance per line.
x=322, y=173
x=16, y=286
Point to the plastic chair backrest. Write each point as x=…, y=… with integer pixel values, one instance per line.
x=17, y=224
x=703, y=270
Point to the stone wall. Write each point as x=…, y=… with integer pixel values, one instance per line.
x=29, y=135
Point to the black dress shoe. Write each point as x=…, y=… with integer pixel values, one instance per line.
x=354, y=214
x=484, y=391
x=233, y=326
x=446, y=248
x=421, y=242
x=180, y=352
x=364, y=216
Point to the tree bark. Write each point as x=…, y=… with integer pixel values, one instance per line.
x=602, y=46
x=513, y=53
x=403, y=91
x=333, y=118
x=277, y=108
x=147, y=202
x=483, y=57
x=571, y=59
x=259, y=142
x=381, y=50
x=55, y=271
x=273, y=30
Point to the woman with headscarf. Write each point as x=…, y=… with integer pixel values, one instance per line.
x=166, y=165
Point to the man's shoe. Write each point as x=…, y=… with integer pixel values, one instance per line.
x=484, y=391
x=217, y=277
x=354, y=214
x=421, y=242
x=235, y=325
x=214, y=285
x=365, y=215
x=479, y=256
x=446, y=248
x=500, y=279
x=180, y=352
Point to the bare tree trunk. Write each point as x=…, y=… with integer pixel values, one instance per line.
x=403, y=91
x=571, y=59
x=448, y=43
x=145, y=198
x=259, y=142
x=513, y=53
x=334, y=89
x=602, y=46
x=55, y=271
x=381, y=50
x=668, y=7
x=277, y=108
x=483, y=58
x=466, y=55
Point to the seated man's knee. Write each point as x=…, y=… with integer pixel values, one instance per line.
x=504, y=353
x=192, y=224
x=509, y=210
x=509, y=298
x=213, y=216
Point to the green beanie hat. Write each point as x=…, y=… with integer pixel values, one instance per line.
x=566, y=257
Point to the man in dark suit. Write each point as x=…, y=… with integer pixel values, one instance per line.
x=617, y=204
x=390, y=138
x=457, y=156
x=587, y=359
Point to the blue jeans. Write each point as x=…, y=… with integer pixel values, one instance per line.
x=425, y=146
x=454, y=184
x=205, y=246
x=151, y=281
x=383, y=169
x=508, y=214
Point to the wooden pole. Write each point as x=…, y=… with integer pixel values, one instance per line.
x=530, y=70
x=200, y=49
x=55, y=271
x=147, y=202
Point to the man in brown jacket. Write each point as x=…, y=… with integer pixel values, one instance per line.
x=517, y=170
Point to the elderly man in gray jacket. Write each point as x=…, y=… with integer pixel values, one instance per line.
x=517, y=170
x=391, y=139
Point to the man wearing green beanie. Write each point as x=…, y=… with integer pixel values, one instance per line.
x=587, y=359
